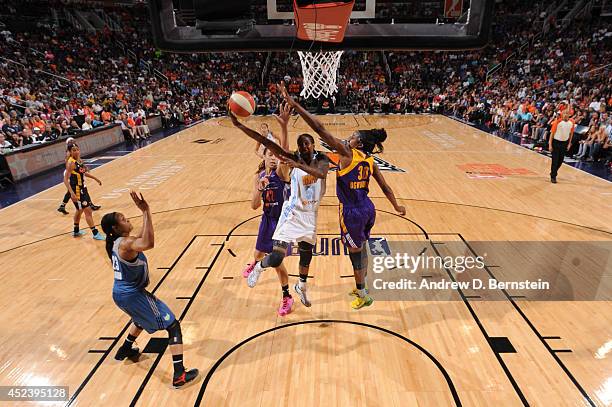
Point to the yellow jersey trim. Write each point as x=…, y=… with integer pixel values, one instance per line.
x=358, y=157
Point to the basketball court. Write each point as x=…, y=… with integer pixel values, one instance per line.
x=461, y=188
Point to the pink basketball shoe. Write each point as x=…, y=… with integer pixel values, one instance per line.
x=285, y=307
x=247, y=270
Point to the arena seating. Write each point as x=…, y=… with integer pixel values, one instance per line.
x=59, y=78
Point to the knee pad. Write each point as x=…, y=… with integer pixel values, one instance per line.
x=305, y=253
x=175, y=336
x=275, y=258
x=359, y=259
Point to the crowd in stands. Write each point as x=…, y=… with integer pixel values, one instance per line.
x=57, y=80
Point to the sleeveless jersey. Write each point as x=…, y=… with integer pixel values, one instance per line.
x=273, y=195
x=352, y=182
x=129, y=276
x=76, y=175
x=306, y=192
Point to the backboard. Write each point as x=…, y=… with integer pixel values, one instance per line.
x=268, y=25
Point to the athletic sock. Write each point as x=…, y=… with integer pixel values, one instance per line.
x=177, y=362
x=76, y=228
x=302, y=282
x=361, y=289
x=63, y=205
x=286, y=291
x=127, y=344
x=94, y=230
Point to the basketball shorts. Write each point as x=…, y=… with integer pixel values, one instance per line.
x=356, y=223
x=297, y=227
x=83, y=199
x=267, y=226
x=146, y=310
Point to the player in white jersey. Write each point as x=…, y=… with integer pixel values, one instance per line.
x=307, y=170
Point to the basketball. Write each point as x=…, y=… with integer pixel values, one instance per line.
x=242, y=104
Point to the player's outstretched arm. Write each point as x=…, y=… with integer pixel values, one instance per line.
x=387, y=190
x=271, y=145
x=283, y=120
x=335, y=143
x=131, y=246
x=318, y=168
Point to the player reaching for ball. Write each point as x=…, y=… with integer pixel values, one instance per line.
x=356, y=210
x=306, y=169
x=131, y=278
x=270, y=189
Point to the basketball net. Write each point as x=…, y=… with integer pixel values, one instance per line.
x=319, y=70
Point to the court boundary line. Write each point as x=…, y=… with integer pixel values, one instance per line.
x=230, y=202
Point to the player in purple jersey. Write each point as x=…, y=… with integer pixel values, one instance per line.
x=270, y=190
x=357, y=212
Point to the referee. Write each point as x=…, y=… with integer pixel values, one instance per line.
x=560, y=141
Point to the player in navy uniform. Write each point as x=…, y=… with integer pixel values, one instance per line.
x=62, y=207
x=131, y=278
x=74, y=179
x=357, y=212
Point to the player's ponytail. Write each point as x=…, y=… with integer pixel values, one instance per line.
x=371, y=139
x=108, y=226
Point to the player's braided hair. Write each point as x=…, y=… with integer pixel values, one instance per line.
x=108, y=223
x=372, y=138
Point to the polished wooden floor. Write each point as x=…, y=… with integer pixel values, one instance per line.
x=60, y=326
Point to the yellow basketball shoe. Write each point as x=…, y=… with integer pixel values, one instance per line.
x=361, y=302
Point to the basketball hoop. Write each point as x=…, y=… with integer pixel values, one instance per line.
x=322, y=21
x=319, y=70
